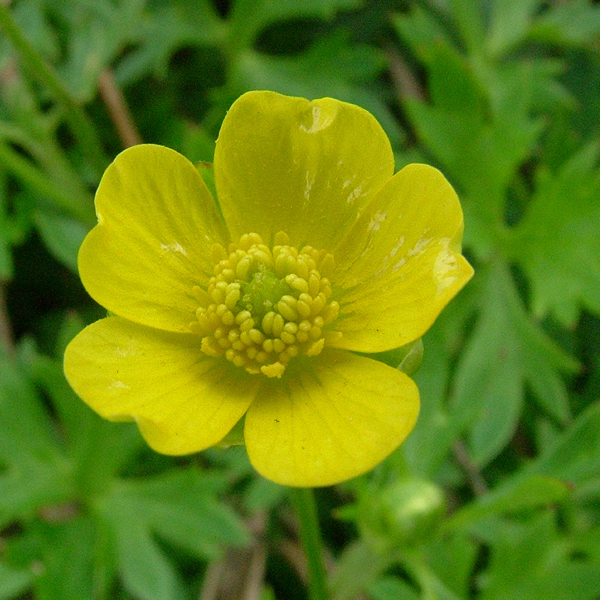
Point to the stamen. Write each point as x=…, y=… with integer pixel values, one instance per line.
x=264, y=307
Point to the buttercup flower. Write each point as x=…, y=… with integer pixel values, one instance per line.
x=253, y=307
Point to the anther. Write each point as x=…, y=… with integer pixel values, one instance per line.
x=263, y=307
x=281, y=239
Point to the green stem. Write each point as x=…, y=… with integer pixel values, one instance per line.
x=34, y=178
x=305, y=506
x=74, y=113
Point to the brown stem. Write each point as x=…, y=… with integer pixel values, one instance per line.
x=478, y=483
x=6, y=334
x=117, y=107
x=407, y=86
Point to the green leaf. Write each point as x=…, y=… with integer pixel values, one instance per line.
x=509, y=23
x=469, y=18
x=27, y=433
x=427, y=446
x=557, y=241
x=420, y=31
x=97, y=448
x=249, y=17
x=479, y=126
x=34, y=472
x=180, y=507
x=97, y=33
x=24, y=490
x=453, y=559
x=262, y=494
x=62, y=235
x=506, y=352
x=164, y=28
x=573, y=23
x=532, y=560
x=67, y=555
x=332, y=66
x=13, y=582
x=520, y=493
x=357, y=568
x=7, y=230
x=144, y=568
x=431, y=584
x=575, y=454
x=32, y=18
x=391, y=588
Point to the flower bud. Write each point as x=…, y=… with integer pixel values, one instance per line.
x=405, y=513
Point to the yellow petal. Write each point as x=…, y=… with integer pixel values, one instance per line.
x=330, y=419
x=182, y=400
x=157, y=222
x=401, y=264
x=307, y=168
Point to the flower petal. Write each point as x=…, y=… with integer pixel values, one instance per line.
x=307, y=168
x=182, y=401
x=402, y=262
x=157, y=222
x=331, y=419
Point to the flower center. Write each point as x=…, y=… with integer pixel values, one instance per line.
x=265, y=306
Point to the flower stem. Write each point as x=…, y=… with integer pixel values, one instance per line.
x=305, y=506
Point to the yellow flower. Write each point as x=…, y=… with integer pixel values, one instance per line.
x=254, y=307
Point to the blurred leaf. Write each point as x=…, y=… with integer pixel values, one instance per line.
x=34, y=464
x=249, y=17
x=67, y=557
x=557, y=241
x=62, y=236
x=197, y=145
x=509, y=23
x=521, y=493
x=13, y=582
x=428, y=444
x=164, y=28
x=98, y=449
x=357, y=569
x=31, y=435
x=431, y=584
x=421, y=31
x=97, y=33
x=181, y=508
x=144, y=568
x=6, y=231
x=532, y=560
x=333, y=67
x=479, y=126
x=572, y=23
x=32, y=155
x=32, y=18
x=575, y=455
x=453, y=558
x=391, y=588
x=506, y=351
x=469, y=18
x=263, y=494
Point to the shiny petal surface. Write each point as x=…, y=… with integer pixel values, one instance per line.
x=157, y=222
x=329, y=420
x=307, y=168
x=181, y=400
x=401, y=263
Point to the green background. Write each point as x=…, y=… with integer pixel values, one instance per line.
x=496, y=494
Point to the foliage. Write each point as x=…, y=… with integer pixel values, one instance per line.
x=504, y=97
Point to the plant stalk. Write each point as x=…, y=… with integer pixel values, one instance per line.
x=303, y=500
